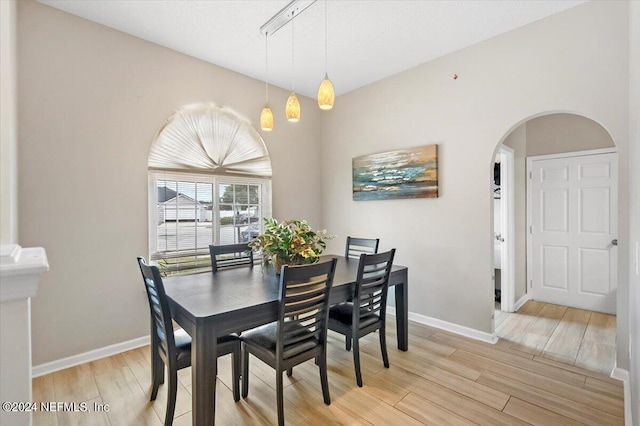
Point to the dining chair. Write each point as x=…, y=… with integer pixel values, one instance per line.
x=242, y=256
x=367, y=312
x=356, y=246
x=173, y=347
x=300, y=333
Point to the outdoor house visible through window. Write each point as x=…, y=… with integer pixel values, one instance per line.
x=209, y=175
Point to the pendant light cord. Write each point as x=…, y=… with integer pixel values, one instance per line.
x=293, y=78
x=266, y=67
x=325, y=37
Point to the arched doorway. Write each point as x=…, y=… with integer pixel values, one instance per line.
x=545, y=137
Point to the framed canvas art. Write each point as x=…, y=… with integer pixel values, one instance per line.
x=403, y=173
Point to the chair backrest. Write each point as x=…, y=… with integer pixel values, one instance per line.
x=161, y=323
x=304, y=306
x=356, y=246
x=372, y=284
x=242, y=256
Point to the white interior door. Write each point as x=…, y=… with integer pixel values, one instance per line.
x=573, y=224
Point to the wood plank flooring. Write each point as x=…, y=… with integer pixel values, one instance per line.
x=443, y=379
x=573, y=336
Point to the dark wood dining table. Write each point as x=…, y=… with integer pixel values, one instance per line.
x=208, y=305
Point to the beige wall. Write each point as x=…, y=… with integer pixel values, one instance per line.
x=518, y=141
x=634, y=208
x=91, y=101
x=574, y=61
x=551, y=134
x=8, y=124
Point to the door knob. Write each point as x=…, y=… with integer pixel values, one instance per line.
x=614, y=242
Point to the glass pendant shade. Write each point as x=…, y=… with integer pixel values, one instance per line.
x=293, y=108
x=326, y=96
x=266, y=119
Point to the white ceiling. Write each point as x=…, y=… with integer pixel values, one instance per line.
x=367, y=40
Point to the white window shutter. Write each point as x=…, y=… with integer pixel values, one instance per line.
x=210, y=139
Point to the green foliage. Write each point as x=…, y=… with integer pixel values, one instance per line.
x=241, y=194
x=226, y=220
x=291, y=241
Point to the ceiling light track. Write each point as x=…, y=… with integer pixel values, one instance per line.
x=280, y=19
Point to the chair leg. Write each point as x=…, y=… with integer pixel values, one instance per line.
x=279, y=396
x=236, y=367
x=245, y=371
x=347, y=343
x=171, y=397
x=161, y=368
x=290, y=372
x=356, y=360
x=157, y=374
x=383, y=348
x=324, y=380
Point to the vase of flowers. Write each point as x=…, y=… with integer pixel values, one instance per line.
x=290, y=242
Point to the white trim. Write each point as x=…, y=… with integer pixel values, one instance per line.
x=448, y=326
x=520, y=303
x=623, y=375
x=20, y=272
x=507, y=194
x=72, y=361
x=528, y=225
x=9, y=253
x=205, y=177
x=573, y=154
x=619, y=374
x=152, y=212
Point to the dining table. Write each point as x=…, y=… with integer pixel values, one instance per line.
x=208, y=305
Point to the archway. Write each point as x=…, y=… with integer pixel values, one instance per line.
x=545, y=134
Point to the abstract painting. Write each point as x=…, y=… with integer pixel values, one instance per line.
x=403, y=173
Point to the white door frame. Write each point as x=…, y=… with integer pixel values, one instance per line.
x=507, y=207
x=529, y=219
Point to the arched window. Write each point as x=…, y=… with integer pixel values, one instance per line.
x=210, y=183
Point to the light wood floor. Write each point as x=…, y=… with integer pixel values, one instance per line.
x=574, y=336
x=442, y=379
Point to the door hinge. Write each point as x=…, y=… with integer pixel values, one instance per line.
x=530, y=283
x=530, y=229
x=530, y=175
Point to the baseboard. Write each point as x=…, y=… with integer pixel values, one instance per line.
x=72, y=361
x=619, y=374
x=448, y=326
x=623, y=375
x=520, y=302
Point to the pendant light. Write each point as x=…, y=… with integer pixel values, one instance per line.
x=293, y=104
x=266, y=117
x=326, y=95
